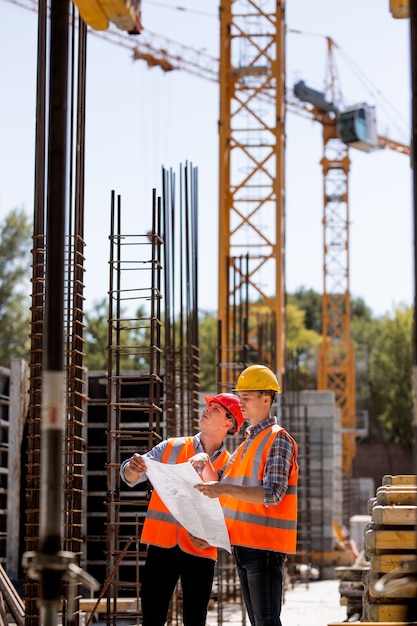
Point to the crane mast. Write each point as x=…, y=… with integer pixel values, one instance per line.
x=251, y=163
x=336, y=360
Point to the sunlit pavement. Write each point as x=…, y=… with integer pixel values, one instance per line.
x=316, y=603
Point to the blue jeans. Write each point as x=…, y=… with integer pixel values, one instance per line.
x=260, y=574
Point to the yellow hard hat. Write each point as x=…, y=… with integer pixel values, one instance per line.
x=257, y=378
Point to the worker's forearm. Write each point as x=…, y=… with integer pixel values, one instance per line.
x=255, y=495
x=247, y=494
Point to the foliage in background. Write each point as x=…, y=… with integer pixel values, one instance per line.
x=96, y=336
x=309, y=301
x=301, y=342
x=301, y=350
x=383, y=352
x=208, y=351
x=383, y=355
x=390, y=401
x=299, y=338
x=15, y=286
x=134, y=339
x=96, y=342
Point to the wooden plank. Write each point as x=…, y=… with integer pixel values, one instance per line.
x=406, y=589
x=384, y=563
x=389, y=488
x=405, y=494
x=123, y=604
x=350, y=573
x=350, y=585
x=387, y=612
x=400, y=479
x=373, y=624
x=398, y=515
x=379, y=541
x=332, y=557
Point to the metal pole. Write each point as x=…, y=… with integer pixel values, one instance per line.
x=53, y=393
x=413, y=48
x=413, y=45
x=52, y=565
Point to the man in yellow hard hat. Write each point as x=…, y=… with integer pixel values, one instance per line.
x=172, y=553
x=258, y=493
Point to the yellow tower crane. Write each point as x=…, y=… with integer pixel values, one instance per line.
x=336, y=356
x=356, y=127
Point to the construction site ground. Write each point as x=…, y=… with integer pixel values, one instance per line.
x=315, y=603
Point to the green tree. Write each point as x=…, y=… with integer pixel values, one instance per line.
x=383, y=352
x=364, y=333
x=383, y=355
x=359, y=309
x=96, y=336
x=207, y=330
x=301, y=346
x=134, y=339
x=310, y=302
x=390, y=394
x=299, y=338
x=15, y=289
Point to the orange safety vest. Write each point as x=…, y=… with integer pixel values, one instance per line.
x=256, y=525
x=160, y=527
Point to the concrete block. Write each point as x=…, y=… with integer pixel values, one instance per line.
x=310, y=397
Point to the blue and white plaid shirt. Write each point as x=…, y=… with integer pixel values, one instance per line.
x=278, y=464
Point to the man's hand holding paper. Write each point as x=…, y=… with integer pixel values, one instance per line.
x=201, y=516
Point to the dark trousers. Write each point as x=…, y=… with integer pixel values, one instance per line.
x=260, y=575
x=162, y=570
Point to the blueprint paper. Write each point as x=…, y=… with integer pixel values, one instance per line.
x=201, y=516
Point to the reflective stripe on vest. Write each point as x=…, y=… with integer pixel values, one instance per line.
x=160, y=527
x=255, y=525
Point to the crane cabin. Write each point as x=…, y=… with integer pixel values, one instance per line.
x=357, y=127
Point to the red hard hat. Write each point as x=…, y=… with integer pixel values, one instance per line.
x=231, y=403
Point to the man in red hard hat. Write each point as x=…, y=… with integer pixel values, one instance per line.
x=173, y=554
x=230, y=402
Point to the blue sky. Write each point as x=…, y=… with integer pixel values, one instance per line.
x=140, y=119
